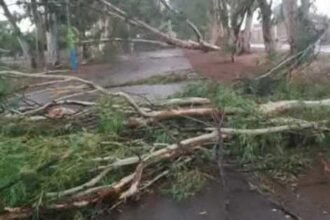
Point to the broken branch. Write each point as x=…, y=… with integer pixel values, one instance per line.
x=117, y=12
x=198, y=34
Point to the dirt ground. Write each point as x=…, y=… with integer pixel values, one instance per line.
x=307, y=197
x=314, y=184
x=218, y=66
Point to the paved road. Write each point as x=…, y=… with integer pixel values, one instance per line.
x=244, y=204
x=129, y=68
x=138, y=66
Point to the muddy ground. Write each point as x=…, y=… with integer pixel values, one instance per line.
x=219, y=66
x=244, y=203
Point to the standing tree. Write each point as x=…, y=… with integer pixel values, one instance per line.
x=301, y=30
x=52, y=31
x=266, y=16
x=39, y=32
x=247, y=30
x=227, y=18
x=290, y=9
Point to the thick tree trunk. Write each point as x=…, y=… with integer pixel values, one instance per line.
x=247, y=32
x=24, y=45
x=40, y=35
x=290, y=8
x=53, y=52
x=305, y=7
x=266, y=13
x=105, y=24
x=216, y=28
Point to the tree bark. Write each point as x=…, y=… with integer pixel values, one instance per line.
x=305, y=7
x=219, y=25
x=290, y=8
x=247, y=32
x=24, y=45
x=40, y=34
x=52, y=41
x=106, y=32
x=266, y=13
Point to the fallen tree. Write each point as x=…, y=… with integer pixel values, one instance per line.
x=142, y=41
x=114, y=11
x=141, y=168
x=266, y=109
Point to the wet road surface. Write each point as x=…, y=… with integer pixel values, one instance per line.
x=244, y=204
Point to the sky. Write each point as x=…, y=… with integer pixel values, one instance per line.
x=322, y=7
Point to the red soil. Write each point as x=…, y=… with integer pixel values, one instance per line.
x=216, y=65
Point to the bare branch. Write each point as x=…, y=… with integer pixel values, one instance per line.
x=282, y=106
x=80, y=80
x=87, y=185
x=198, y=34
x=117, y=12
x=144, y=41
x=55, y=103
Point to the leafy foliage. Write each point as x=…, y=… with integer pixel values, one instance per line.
x=282, y=155
x=220, y=95
x=185, y=183
x=110, y=119
x=8, y=41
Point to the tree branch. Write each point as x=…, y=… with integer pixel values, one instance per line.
x=80, y=80
x=117, y=12
x=144, y=41
x=198, y=34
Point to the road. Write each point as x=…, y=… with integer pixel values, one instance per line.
x=126, y=68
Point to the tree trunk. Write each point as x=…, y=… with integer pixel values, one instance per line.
x=305, y=7
x=247, y=32
x=24, y=45
x=52, y=41
x=40, y=35
x=266, y=13
x=215, y=28
x=290, y=8
x=105, y=26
